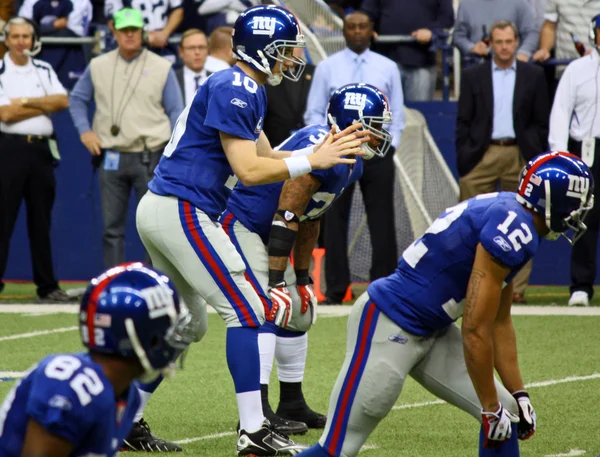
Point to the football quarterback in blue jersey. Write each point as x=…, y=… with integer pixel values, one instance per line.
x=264, y=222
x=404, y=324
x=218, y=139
x=77, y=405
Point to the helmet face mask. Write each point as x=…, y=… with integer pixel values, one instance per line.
x=559, y=186
x=366, y=104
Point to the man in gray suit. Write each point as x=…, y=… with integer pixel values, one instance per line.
x=193, y=50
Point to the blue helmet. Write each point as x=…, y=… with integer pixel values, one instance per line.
x=560, y=187
x=366, y=104
x=132, y=310
x=263, y=35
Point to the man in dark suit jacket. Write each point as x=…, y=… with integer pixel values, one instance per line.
x=286, y=104
x=502, y=122
x=193, y=51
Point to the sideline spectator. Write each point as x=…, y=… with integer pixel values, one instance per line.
x=356, y=64
x=220, y=52
x=420, y=19
x=502, y=123
x=161, y=19
x=193, y=50
x=474, y=18
x=563, y=18
x=29, y=93
x=575, y=127
x=137, y=101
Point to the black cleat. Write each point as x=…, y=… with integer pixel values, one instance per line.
x=284, y=426
x=141, y=439
x=266, y=442
x=304, y=414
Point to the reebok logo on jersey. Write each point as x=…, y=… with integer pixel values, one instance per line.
x=264, y=26
x=398, y=339
x=502, y=243
x=60, y=402
x=239, y=103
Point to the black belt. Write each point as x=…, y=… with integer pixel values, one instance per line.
x=504, y=142
x=26, y=138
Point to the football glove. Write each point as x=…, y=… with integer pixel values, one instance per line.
x=281, y=307
x=497, y=426
x=304, y=285
x=527, y=416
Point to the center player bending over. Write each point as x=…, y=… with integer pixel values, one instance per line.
x=218, y=139
x=281, y=214
x=404, y=324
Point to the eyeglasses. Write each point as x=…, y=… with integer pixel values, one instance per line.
x=194, y=48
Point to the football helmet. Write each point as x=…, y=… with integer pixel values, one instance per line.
x=366, y=104
x=132, y=310
x=262, y=35
x=560, y=187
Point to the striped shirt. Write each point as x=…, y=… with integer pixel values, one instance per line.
x=571, y=16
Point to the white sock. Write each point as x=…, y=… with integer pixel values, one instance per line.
x=250, y=408
x=290, y=354
x=266, y=348
x=144, y=397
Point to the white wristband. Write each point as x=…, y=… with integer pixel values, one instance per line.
x=303, y=152
x=298, y=166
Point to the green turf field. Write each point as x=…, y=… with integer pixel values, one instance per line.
x=16, y=292
x=197, y=408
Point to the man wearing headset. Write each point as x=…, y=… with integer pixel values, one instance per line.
x=575, y=127
x=29, y=93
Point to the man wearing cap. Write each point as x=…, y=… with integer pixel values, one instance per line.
x=137, y=100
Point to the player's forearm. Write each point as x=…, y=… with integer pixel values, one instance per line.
x=505, y=356
x=49, y=103
x=308, y=232
x=477, y=333
x=280, y=246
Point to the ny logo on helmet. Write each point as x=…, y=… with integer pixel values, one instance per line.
x=578, y=186
x=355, y=101
x=160, y=301
x=264, y=25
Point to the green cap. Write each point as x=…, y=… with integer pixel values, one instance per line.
x=128, y=17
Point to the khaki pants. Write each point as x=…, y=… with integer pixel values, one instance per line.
x=499, y=169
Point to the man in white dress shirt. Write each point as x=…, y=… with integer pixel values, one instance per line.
x=575, y=127
x=193, y=50
x=29, y=93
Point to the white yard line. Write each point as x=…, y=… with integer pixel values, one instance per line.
x=11, y=374
x=549, y=382
x=571, y=453
x=37, y=333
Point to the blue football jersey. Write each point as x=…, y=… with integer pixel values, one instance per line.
x=255, y=206
x=194, y=166
x=70, y=397
x=424, y=294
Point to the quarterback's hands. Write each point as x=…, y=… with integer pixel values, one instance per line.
x=307, y=295
x=91, y=141
x=497, y=426
x=527, y=416
x=281, y=307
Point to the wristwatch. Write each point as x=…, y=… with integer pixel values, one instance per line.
x=24, y=101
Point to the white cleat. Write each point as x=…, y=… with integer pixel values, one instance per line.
x=579, y=298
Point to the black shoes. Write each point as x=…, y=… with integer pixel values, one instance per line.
x=141, y=439
x=266, y=441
